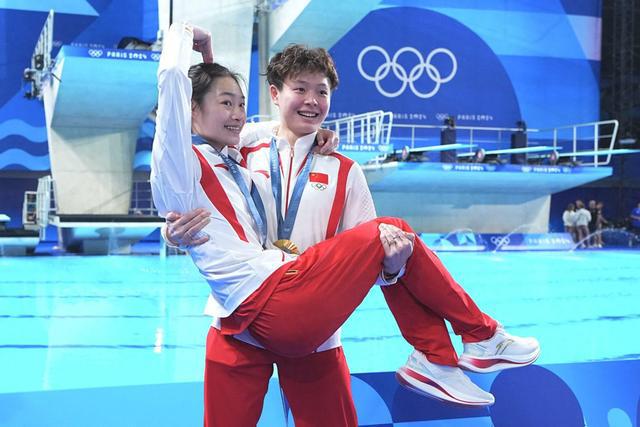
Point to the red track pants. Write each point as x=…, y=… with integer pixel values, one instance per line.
x=323, y=286
x=299, y=308
x=317, y=386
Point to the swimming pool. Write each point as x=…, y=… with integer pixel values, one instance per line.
x=73, y=322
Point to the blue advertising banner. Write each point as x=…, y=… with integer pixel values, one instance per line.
x=467, y=240
x=457, y=241
x=484, y=167
x=125, y=54
x=529, y=242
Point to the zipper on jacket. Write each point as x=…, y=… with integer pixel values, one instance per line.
x=286, y=205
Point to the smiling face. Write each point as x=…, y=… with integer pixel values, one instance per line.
x=220, y=115
x=304, y=102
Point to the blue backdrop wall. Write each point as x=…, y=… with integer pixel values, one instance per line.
x=487, y=63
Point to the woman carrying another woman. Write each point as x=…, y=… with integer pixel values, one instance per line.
x=292, y=304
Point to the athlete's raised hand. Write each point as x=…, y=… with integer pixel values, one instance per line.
x=202, y=43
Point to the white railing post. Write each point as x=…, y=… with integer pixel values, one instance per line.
x=595, y=144
x=413, y=137
x=614, y=133
x=575, y=141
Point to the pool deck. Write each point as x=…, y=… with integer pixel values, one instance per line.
x=87, y=326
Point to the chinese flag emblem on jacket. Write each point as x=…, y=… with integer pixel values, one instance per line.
x=319, y=180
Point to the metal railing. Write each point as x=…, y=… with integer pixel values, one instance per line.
x=141, y=200
x=471, y=135
x=45, y=203
x=584, y=137
x=41, y=62
x=370, y=128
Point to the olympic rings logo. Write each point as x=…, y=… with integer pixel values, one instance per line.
x=423, y=66
x=95, y=53
x=500, y=240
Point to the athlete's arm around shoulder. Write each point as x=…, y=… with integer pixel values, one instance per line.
x=326, y=141
x=253, y=132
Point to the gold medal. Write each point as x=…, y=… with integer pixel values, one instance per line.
x=287, y=246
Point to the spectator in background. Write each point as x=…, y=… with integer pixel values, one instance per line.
x=583, y=217
x=601, y=221
x=592, y=223
x=635, y=223
x=569, y=221
x=479, y=156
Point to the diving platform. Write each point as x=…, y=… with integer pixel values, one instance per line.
x=18, y=242
x=95, y=101
x=485, y=198
x=103, y=234
x=445, y=147
x=523, y=150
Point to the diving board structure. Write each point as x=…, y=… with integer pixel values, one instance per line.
x=15, y=242
x=445, y=147
x=488, y=198
x=95, y=101
x=600, y=152
x=94, y=109
x=419, y=150
x=536, y=149
x=103, y=234
x=485, y=198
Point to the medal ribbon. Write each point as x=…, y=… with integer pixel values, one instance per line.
x=256, y=207
x=285, y=224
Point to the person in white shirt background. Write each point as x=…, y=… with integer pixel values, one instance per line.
x=244, y=299
x=569, y=221
x=582, y=219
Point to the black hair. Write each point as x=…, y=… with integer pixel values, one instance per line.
x=296, y=59
x=204, y=74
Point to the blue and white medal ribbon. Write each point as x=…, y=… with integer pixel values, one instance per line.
x=287, y=221
x=256, y=207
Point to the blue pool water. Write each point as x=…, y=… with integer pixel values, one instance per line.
x=78, y=322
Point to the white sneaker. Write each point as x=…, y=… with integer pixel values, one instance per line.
x=446, y=383
x=502, y=351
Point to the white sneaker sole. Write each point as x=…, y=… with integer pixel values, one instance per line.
x=486, y=365
x=420, y=384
